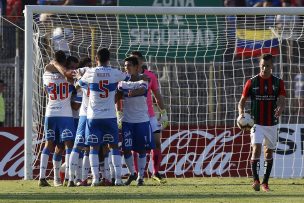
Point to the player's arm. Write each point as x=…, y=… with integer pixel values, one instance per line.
x=245, y=94
x=281, y=100
x=75, y=105
x=241, y=105
x=137, y=92
x=69, y=74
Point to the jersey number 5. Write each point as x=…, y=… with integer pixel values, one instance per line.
x=104, y=90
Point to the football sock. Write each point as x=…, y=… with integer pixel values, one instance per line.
x=111, y=166
x=67, y=162
x=106, y=166
x=156, y=158
x=79, y=170
x=255, y=168
x=141, y=165
x=267, y=170
x=85, y=166
x=74, y=158
x=94, y=162
x=56, y=165
x=116, y=159
x=44, y=162
x=129, y=163
x=135, y=158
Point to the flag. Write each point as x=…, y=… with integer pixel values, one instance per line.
x=253, y=43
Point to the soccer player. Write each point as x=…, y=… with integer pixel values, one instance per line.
x=79, y=162
x=59, y=125
x=136, y=129
x=156, y=128
x=101, y=113
x=267, y=93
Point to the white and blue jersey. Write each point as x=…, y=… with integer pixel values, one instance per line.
x=76, y=98
x=101, y=113
x=136, y=128
x=81, y=128
x=59, y=123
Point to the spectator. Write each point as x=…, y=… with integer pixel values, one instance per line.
x=263, y=3
x=2, y=103
x=13, y=10
x=2, y=6
x=234, y=3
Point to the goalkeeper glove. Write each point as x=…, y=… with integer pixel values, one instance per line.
x=119, y=115
x=163, y=118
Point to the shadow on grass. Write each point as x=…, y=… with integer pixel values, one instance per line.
x=133, y=196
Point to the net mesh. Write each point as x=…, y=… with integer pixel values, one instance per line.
x=202, y=63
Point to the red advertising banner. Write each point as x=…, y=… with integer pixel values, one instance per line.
x=11, y=153
x=191, y=151
x=187, y=152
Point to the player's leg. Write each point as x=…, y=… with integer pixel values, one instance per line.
x=48, y=147
x=57, y=159
x=127, y=146
x=110, y=136
x=156, y=152
x=269, y=145
x=85, y=167
x=93, y=139
x=77, y=149
x=49, y=135
x=106, y=181
x=142, y=141
x=256, y=144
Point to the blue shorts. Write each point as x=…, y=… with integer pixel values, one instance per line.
x=80, y=133
x=101, y=131
x=59, y=129
x=137, y=136
x=76, y=120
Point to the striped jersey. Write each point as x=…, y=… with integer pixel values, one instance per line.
x=264, y=94
x=59, y=95
x=135, y=109
x=102, y=83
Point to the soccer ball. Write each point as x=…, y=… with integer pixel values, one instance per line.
x=245, y=122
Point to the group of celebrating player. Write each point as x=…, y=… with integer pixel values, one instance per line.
x=91, y=138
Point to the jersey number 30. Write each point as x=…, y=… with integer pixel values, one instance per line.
x=63, y=91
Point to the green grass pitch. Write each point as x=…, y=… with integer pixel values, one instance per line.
x=175, y=190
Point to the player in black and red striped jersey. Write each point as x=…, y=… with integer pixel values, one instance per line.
x=267, y=94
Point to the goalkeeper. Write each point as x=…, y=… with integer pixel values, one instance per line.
x=155, y=124
x=267, y=94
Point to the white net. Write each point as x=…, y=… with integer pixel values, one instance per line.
x=202, y=63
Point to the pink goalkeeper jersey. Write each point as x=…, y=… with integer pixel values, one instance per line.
x=153, y=85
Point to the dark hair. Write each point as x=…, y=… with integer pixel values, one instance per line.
x=84, y=62
x=132, y=59
x=2, y=82
x=267, y=57
x=60, y=56
x=71, y=59
x=103, y=55
x=137, y=53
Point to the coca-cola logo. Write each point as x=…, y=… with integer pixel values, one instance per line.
x=11, y=155
x=200, y=152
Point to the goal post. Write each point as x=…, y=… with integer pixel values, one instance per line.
x=202, y=62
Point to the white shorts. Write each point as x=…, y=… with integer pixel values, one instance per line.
x=264, y=134
x=155, y=125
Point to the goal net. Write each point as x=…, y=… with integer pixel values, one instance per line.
x=202, y=57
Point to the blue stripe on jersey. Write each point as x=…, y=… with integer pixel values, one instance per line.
x=95, y=87
x=71, y=89
x=82, y=84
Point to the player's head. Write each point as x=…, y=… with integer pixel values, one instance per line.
x=85, y=62
x=72, y=63
x=266, y=65
x=103, y=56
x=139, y=57
x=131, y=65
x=60, y=57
